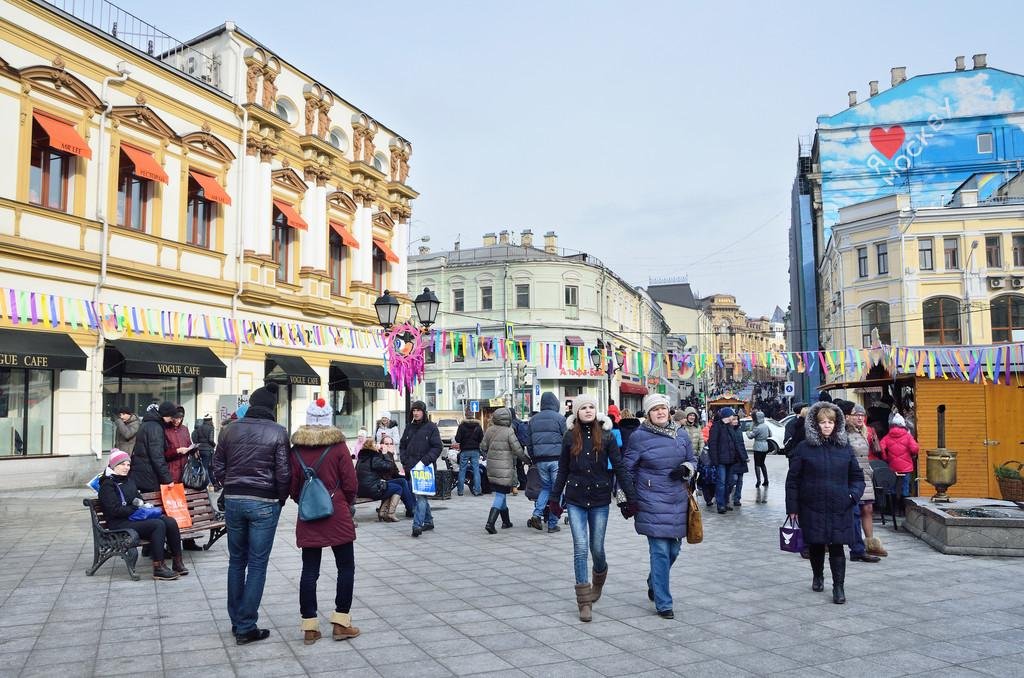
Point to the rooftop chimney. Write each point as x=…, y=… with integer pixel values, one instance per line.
x=503, y=238
x=853, y=97
x=551, y=242
x=959, y=63
x=979, y=60
x=457, y=246
x=490, y=240
x=872, y=88
x=526, y=238
x=899, y=74
x=425, y=250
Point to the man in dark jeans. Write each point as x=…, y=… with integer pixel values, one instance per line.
x=252, y=464
x=421, y=442
x=546, y=428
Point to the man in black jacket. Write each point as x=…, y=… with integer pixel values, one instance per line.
x=251, y=462
x=421, y=443
x=467, y=438
x=149, y=468
x=725, y=450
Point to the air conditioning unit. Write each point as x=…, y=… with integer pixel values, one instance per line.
x=1017, y=283
x=996, y=283
x=460, y=390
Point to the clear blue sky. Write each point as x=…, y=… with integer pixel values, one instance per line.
x=659, y=136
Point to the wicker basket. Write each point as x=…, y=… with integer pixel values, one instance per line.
x=1012, y=489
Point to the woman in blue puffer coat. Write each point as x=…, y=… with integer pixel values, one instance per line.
x=659, y=463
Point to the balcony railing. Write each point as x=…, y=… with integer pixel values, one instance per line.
x=143, y=37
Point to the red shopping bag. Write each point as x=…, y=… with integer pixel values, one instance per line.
x=175, y=504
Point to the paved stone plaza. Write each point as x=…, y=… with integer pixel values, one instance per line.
x=460, y=602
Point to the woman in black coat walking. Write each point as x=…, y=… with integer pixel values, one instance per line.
x=824, y=484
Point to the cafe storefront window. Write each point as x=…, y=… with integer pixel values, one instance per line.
x=29, y=365
x=137, y=392
x=354, y=391
x=288, y=371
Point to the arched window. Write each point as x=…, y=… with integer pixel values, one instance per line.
x=1007, y=317
x=872, y=316
x=941, y=319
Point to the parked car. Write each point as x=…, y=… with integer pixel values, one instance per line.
x=447, y=425
x=776, y=433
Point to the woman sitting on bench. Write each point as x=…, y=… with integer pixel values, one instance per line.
x=120, y=498
x=379, y=479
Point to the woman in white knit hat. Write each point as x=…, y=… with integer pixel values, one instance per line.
x=589, y=457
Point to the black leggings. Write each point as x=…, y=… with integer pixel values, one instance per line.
x=158, y=531
x=760, y=470
x=817, y=552
x=345, y=559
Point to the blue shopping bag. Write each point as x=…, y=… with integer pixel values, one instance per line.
x=423, y=480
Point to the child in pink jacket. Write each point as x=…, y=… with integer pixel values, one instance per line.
x=899, y=450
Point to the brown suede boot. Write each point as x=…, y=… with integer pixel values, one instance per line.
x=584, y=601
x=179, y=566
x=343, y=629
x=598, y=584
x=875, y=548
x=391, y=508
x=310, y=631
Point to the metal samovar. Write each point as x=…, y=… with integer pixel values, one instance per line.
x=941, y=469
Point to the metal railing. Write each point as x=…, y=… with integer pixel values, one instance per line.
x=142, y=36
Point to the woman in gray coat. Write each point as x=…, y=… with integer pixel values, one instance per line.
x=502, y=448
x=760, y=433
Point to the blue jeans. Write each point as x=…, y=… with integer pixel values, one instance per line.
x=737, y=482
x=724, y=485
x=500, y=500
x=400, y=486
x=904, y=486
x=548, y=471
x=421, y=514
x=663, y=556
x=251, y=526
x=857, y=547
x=581, y=521
x=466, y=458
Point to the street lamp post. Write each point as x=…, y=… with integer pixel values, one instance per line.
x=596, y=354
x=426, y=304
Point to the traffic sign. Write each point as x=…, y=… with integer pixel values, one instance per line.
x=474, y=406
x=789, y=388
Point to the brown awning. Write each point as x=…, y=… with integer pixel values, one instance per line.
x=144, y=164
x=630, y=388
x=573, y=340
x=63, y=136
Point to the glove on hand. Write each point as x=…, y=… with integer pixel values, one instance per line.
x=554, y=508
x=629, y=510
x=137, y=502
x=680, y=473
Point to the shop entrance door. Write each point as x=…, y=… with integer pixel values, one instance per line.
x=1004, y=428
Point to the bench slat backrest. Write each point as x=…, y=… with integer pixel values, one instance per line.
x=199, y=507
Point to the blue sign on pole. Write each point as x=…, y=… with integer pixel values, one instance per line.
x=536, y=390
x=474, y=406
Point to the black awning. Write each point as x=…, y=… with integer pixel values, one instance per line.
x=40, y=350
x=346, y=376
x=171, y=360
x=290, y=369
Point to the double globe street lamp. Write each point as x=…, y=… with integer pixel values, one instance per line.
x=426, y=304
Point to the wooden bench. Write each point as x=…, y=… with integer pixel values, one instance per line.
x=108, y=543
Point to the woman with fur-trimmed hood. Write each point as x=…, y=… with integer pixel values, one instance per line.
x=322, y=449
x=589, y=457
x=823, y=485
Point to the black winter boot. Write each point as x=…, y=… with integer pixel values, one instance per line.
x=492, y=518
x=506, y=522
x=838, y=566
x=818, y=571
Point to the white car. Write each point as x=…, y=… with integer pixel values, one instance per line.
x=776, y=433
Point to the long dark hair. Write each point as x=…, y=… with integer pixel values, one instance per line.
x=577, y=437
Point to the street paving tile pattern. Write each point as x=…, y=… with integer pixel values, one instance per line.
x=459, y=602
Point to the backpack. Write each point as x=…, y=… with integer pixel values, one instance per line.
x=522, y=431
x=315, y=502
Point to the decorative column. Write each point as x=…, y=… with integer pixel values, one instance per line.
x=264, y=198
x=400, y=244
x=252, y=194
x=314, y=240
x=362, y=226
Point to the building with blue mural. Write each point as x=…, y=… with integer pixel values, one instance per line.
x=925, y=137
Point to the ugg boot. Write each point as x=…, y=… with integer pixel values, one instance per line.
x=875, y=548
x=161, y=572
x=179, y=566
x=598, y=584
x=310, y=631
x=342, y=623
x=506, y=522
x=382, y=510
x=838, y=567
x=584, y=601
x=492, y=518
x=391, y=508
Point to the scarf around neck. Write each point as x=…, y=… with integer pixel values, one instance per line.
x=658, y=430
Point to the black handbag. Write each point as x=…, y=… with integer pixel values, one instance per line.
x=194, y=475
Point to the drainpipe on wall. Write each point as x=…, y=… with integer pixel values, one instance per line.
x=903, y=280
x=101, y=216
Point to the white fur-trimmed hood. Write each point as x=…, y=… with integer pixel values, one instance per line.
x=606, y=422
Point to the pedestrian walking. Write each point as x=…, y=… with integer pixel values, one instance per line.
x=865, y=547
x=252, y=463
x=726, y=450
x=467, y=441
x=823, y=485
x=203, y=437
x=588, y=460
x=739, y=468
x=319, y=445
x=420, y=443
x=126, y=428
x=759, y=433
x=120, y=498
x=547, y=430
x=659, y=460
x=502, y=447
x=149, y=467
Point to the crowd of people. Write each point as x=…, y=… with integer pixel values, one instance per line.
x=582, y=462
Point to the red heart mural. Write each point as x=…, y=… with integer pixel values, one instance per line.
x=888, y=141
